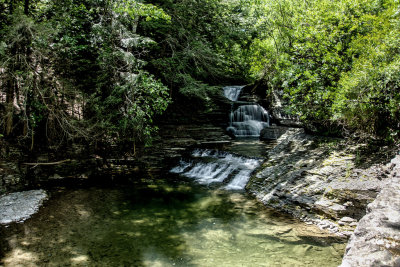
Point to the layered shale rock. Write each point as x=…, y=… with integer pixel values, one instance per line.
x=318, y=180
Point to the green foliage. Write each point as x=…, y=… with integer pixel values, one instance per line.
x=369, y=93
x=77, y=70
x=102, y=70
x=127, y=113
x=136, y=9
x=335, y=61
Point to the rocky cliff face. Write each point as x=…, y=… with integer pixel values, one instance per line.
x=319, y=180
x=19, y=170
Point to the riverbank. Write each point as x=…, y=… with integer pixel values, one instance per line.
x=376, y=240
x=330, y=183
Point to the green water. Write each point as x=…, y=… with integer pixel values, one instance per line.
x=250, y=147
x=165, y=222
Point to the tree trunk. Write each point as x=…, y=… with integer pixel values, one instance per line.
x=8, y=126
x=11, y=6
x=26, y=7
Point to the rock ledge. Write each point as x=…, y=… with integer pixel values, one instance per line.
x=376, y=240
x=317, y=180
x=19, y=206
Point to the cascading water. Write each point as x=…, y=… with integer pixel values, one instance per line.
x=232, y=92
x=248, y=119
x=218, y=167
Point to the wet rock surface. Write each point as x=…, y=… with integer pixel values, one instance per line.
x=319, y=180
x=325, y=182
x=273, y=132
x=19, y=206
x=376, y=240
x=175, y=140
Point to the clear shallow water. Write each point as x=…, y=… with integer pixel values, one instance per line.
x=165, y=222
x=250, y=147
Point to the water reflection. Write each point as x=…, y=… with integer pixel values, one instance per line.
x=250, y=147
x=165, y=224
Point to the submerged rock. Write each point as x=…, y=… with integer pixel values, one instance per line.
x=19, y=206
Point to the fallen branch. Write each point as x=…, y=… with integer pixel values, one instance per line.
x=46, y=163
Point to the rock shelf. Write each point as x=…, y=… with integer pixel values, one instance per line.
x=19, y=206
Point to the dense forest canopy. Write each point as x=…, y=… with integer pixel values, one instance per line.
x=101, y=70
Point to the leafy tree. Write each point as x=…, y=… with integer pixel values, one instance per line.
x=368, y=97
x=75, y=71
x=101, y=70
x=330, y=58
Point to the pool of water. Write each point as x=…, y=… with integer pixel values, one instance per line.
x=250, y=147
x=165, y=221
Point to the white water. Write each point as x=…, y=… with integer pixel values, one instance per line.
x=218, y=167
x=247, y=120
x=232, y=92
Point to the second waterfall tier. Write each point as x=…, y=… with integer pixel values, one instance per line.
x=248, y=120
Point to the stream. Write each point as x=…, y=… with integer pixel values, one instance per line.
x=195, y=213
x=173, y=220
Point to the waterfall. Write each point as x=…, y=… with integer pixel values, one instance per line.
x=248, y=119
x=223, y=169
x=232, y=92
x=215, y=167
